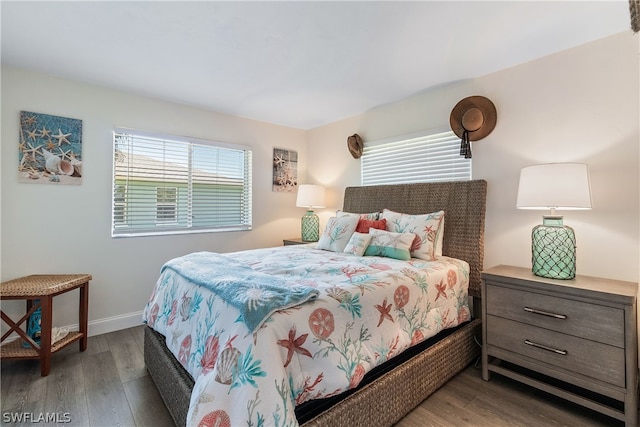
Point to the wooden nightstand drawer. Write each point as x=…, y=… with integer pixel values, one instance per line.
x=581, y=319
x=576, y=339
x=596, y=360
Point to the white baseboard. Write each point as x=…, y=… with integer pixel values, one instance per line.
x=102, y=326
x=112, y=324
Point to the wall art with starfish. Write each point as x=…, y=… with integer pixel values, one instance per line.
x=285, y=170
x=49, y=149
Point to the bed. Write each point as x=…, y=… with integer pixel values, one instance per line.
x=391, y=388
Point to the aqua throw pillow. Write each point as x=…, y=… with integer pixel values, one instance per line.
x=390, y=245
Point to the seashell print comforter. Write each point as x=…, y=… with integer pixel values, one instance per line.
x=369, y=310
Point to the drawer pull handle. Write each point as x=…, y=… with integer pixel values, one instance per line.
x=544, y=347
x=545, y=313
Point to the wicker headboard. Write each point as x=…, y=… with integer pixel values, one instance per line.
x=464, y=203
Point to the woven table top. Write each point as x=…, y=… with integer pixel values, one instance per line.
x=41, y=284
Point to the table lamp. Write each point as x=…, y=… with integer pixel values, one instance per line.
x=310, y=196
x=554, y=186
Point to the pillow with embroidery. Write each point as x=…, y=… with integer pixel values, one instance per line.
x=365, y=224
x=439, y=242
x=427, y=229
x=358, y=243
x=371, y=215
x=390, y=245
x=337, y=233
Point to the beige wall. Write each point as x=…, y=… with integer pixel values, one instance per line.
x=66, y=229
x=580, y=105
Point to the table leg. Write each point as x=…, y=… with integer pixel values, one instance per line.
x=15, y=326
x=45, y=334
x=84, y=315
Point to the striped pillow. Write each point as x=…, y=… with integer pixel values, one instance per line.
x=390, y=245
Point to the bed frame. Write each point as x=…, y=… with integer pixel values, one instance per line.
x=389, y=397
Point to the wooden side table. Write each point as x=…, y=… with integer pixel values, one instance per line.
x=296, y=241
x=43, y=288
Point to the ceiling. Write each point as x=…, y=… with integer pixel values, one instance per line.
x=299, y=64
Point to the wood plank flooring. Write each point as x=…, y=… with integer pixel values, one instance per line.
x=108, y=385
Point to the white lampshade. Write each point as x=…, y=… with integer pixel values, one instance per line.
x=310, y=196
x=561, y=186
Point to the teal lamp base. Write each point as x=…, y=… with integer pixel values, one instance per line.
x=310, y=227
x=553, y=249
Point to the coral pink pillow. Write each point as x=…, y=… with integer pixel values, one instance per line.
x=365, y=224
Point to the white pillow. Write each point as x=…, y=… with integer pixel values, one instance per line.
x=337, y=233
x=439, y=242
x=358, y=243
x=390, y=245
x=427, y=228
x=370, y=216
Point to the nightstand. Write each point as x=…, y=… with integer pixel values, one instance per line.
x=43, y=288
x=576, y=339
x=297, y=241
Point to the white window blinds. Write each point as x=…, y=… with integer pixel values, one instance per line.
x=423, y=157
x=169, y=184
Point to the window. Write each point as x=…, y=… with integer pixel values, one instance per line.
x=423, y=157
x=168, y=184
x=119, y=206
x=166, y=205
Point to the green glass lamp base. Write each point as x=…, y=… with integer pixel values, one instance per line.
x=310, y=227
x=553, y=249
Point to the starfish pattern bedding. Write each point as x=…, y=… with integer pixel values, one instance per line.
x=368, y=310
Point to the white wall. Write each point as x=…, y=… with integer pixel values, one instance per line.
x=580, y=105
x=66, y=229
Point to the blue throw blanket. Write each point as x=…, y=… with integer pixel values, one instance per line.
x=257, y=295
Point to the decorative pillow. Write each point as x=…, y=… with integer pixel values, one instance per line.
x=439, y=242
x=337, y=233
x=358, y=243
x=390, y=245
x=365, y=224
x=427, y=229
x=371, y=216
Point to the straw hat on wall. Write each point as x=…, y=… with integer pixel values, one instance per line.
x=355, y=145
x=472, y=119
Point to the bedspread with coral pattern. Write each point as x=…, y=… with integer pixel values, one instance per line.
x=369, y=309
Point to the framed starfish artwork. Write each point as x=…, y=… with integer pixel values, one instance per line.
x=285, y=170
x=49, y=149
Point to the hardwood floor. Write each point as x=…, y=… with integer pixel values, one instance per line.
x=108, y=385
x=468, y=400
